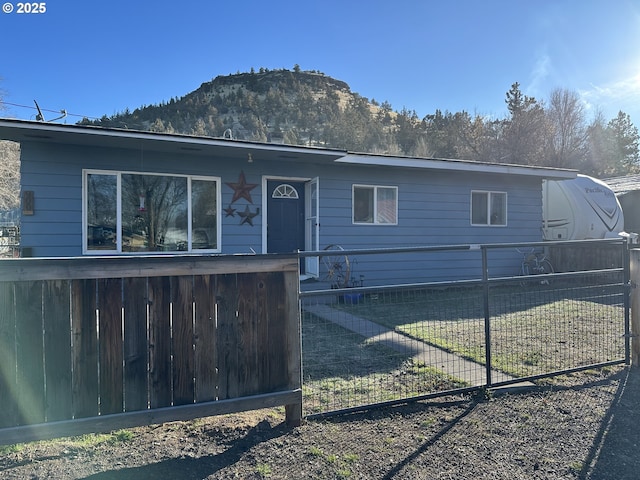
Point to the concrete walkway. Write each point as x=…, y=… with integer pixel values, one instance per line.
x=472, y=373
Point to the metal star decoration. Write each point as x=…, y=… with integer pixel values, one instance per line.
x=230, y=212
x=241, y=188
x=247, y=215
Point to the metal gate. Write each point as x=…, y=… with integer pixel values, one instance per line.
x=510, y=313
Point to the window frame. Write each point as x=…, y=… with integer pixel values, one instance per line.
x=488, y=206
x=375, y=189
x=119, y=213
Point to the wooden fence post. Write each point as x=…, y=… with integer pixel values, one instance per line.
x=293, y=412
x=635, y=306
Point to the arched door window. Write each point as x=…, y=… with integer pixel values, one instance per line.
x=285, y=191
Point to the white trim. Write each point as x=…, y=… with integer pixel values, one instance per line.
x=312, y=230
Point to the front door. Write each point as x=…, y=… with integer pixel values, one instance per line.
x=285, y=216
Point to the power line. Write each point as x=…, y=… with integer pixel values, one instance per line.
x=128, y=125
x=2, y=102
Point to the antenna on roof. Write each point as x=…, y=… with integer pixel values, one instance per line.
x=39, y=116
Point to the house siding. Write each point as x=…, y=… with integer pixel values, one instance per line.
x=434, y=209
x=54, y=174
x=433, y=206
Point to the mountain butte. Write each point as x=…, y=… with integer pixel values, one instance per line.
x=280, y=106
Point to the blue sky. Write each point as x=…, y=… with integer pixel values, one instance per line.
x=94, y=57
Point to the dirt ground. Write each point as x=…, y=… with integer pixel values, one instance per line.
x=585, y=426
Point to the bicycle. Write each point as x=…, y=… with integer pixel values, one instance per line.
x=535, y=263
x=337, y=266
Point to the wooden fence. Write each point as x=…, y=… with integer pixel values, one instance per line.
x=96, y=344
x=586, y=255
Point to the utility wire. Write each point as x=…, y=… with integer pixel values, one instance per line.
x=2, y=102
x=122, y=124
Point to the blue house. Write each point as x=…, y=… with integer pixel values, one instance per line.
x=94, y=191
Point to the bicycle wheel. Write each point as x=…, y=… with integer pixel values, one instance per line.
x=337, y=268
x=545, y=266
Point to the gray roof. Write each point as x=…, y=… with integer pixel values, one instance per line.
x=623, y=185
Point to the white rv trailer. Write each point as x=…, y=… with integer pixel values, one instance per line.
x=579, y=209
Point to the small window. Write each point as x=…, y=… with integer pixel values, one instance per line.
x=489, y=208
x=375, y=205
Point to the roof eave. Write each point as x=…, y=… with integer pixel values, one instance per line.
x=24, y=130
x=458, y=165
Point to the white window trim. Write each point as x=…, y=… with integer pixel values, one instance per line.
x=375, y=204
x=118, y=174
x=489, y=195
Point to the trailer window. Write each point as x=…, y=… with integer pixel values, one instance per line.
x=488, y=208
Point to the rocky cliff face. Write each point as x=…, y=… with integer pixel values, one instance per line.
x=295, y=107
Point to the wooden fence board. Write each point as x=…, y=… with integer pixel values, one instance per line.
x=262, y=330
x=227, y=351
x=57, y=349
x=575, y=258
x=111, y=347
x=85, y=348
x=247, y=339
x=29, y=343
x=278, y=372
x=205, y=338
x=91, y=267
x=107, y=423
x=135, y=344
x=9, y=413
x=104, y=349
x=159, y=341
x=182, y=319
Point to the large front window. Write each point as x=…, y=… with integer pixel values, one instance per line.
x=133, y=212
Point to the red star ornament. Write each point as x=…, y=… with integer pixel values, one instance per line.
x=241, y=188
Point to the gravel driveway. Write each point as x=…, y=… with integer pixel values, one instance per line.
x=583, y=425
